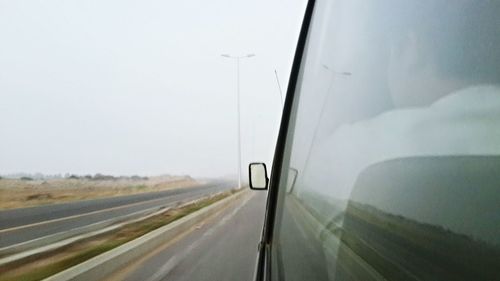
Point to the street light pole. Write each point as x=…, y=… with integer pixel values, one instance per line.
x=238, y=58
x=239, y=118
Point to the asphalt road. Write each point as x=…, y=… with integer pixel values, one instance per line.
x=20, y=225
x=222, y=248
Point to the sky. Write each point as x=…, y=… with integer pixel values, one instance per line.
x=140, y=87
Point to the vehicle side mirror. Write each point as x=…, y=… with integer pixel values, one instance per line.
x=258, y=176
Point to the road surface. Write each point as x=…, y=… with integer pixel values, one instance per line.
x=21, y=225
x=223, y=248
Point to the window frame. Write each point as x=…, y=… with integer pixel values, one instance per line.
x=263, y=266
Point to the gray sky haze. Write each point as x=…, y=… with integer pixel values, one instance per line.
x=139, y=87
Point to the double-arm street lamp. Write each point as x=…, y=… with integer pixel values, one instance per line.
x=237, y=59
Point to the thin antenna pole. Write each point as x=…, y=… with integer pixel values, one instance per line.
x=279, y=86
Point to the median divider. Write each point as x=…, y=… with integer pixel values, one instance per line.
x=102, y=265
x=48, y=243
x=53, y=238
x=56, y=237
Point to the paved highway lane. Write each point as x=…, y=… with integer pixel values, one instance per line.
x=20, y=225
x=223, y=248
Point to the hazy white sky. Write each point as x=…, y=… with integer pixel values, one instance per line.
x=139, y=87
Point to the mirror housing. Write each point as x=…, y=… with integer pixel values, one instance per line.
x=257, y=173
x=292, y=178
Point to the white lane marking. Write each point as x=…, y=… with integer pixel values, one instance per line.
x=176, y=259
x=88, y=214
x=167, y=267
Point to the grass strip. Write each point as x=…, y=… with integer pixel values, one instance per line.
x=58, y=260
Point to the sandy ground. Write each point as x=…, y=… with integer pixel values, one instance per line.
x=16, y=193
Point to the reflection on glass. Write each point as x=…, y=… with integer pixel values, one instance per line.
x=397, y=162
x=418, y=219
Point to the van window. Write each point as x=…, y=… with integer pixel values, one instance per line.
x=394, y=145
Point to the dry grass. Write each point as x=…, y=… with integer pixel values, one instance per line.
x=40, y=267
x=20, y=194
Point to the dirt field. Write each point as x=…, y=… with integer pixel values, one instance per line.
x=16, y=193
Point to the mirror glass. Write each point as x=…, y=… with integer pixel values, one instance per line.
x=258, y=176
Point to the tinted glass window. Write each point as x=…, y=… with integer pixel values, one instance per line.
x=392, y=161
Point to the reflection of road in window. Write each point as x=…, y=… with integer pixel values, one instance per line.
x=398, y=163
